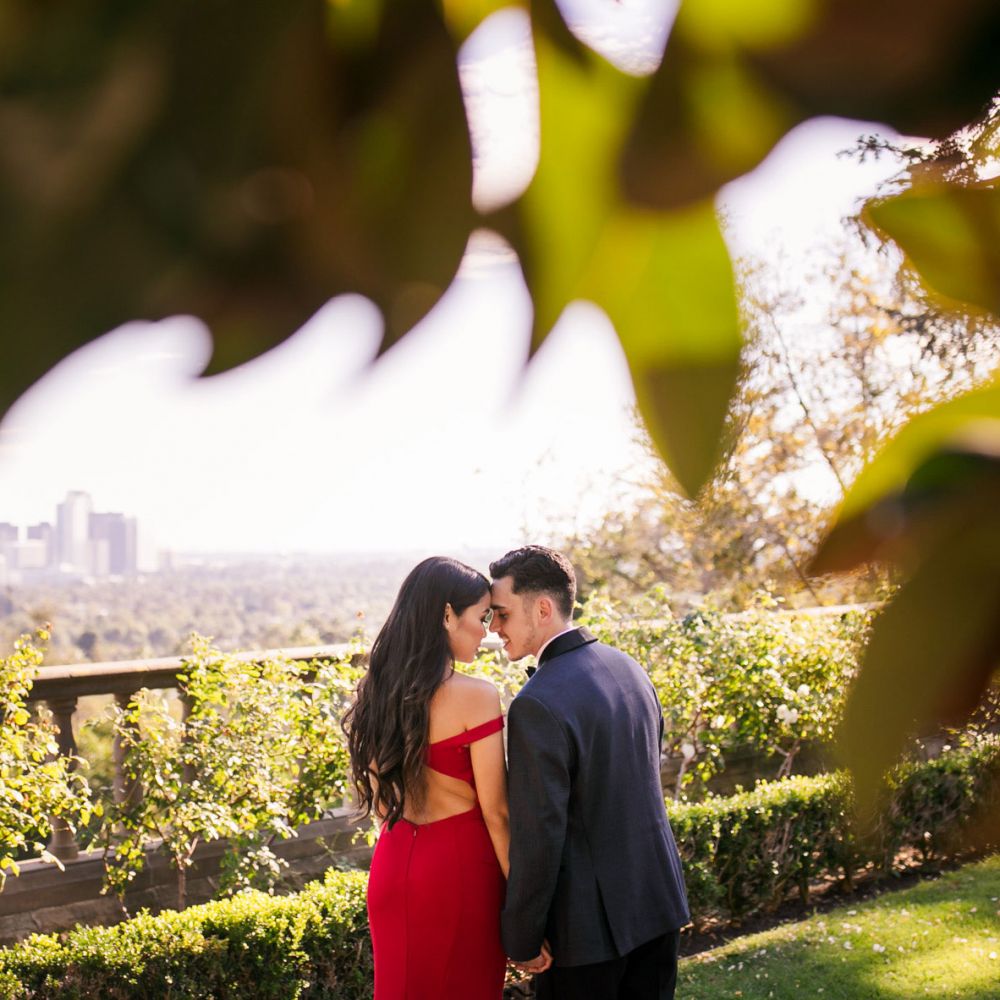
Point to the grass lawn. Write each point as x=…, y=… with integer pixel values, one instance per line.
x=940, y=939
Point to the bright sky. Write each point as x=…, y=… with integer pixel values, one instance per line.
x=445, y=444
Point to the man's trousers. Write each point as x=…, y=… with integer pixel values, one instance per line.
x=647, y=973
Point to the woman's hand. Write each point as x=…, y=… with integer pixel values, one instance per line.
x=537, y=965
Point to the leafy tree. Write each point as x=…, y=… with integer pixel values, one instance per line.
x=37, y=783
x=818, y=396
x=926, y=503
x=763, y=681
x=257, y=753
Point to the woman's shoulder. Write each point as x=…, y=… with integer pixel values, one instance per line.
x=472, y=694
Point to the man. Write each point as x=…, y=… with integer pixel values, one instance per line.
x=594, y=873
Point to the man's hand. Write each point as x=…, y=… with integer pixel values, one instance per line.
x=537, y=965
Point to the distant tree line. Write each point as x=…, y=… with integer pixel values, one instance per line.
x=253, y=604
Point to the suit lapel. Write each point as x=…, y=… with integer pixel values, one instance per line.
x=566, y=643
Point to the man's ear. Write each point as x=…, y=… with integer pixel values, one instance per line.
x=543, y=603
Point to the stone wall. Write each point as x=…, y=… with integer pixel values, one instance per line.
x=44, y=899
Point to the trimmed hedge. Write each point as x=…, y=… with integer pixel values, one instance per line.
x=310, y=946
x=742, y=853
x=745, y=853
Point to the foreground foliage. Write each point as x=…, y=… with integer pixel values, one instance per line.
x=940, y=938
x=335, y=156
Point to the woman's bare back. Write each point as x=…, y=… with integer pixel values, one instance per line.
x=457, y=705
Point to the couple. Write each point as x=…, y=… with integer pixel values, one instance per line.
x=575, y=876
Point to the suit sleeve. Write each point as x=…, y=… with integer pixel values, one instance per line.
x=539, y=786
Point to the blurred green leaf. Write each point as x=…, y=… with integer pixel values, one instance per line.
x=932, y=650
x=928, y=505
x=873, y=515
x=585, y=105
x=665, y=279
x=241, y=163
x=738, y=74
x=464, y=16
x=666, y=282
x=951, y=235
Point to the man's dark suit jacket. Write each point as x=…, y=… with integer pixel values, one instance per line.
x=593, y=865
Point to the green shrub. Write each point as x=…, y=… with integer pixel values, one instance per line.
x=762, y=680
x=310, y=946
x=36, y=781
x=935, y=802
x=747, y=851
x=744, y=853
x=258, y=752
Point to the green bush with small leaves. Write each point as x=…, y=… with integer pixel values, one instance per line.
x=258, y=752
x=742, y=854
x=762, y=680
x=310, y=946
x=745, y=853
x=36, y=782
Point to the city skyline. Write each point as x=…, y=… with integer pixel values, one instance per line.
x=78, y=542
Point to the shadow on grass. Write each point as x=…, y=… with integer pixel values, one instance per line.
x=934, y=940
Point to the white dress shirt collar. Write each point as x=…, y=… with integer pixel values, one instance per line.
x=568, y=628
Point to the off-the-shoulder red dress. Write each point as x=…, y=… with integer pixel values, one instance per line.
x=434, y=897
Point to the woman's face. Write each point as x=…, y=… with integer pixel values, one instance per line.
x=467, y=630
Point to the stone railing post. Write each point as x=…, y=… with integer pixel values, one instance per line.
x=63, y=844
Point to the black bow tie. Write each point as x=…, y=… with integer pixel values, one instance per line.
x=530, y=670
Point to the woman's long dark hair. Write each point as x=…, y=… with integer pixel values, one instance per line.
x=386, y=726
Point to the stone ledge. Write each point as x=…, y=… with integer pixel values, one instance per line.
x=43, y=899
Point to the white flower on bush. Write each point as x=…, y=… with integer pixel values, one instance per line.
x=719, y=722
x=789, y=716
x=687, y=750
x=804, y=691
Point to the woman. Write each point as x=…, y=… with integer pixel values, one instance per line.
x=428, y=761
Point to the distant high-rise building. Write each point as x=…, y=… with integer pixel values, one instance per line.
x=82, y=542
x=31, y=555
x=8, y=546
x=73, y=532
x=113, y=544
x=43, y=532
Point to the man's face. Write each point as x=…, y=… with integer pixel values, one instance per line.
x=514, y=619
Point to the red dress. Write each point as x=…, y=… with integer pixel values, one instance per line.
x=434, y=897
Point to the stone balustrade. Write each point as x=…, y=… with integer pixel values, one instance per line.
x=44, y=898
x=62, y=687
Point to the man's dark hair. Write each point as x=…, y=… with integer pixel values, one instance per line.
x=538, y=570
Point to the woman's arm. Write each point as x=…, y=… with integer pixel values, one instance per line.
x=490, y=770
x=378, y=816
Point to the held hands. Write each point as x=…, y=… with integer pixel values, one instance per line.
x=537, y=965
